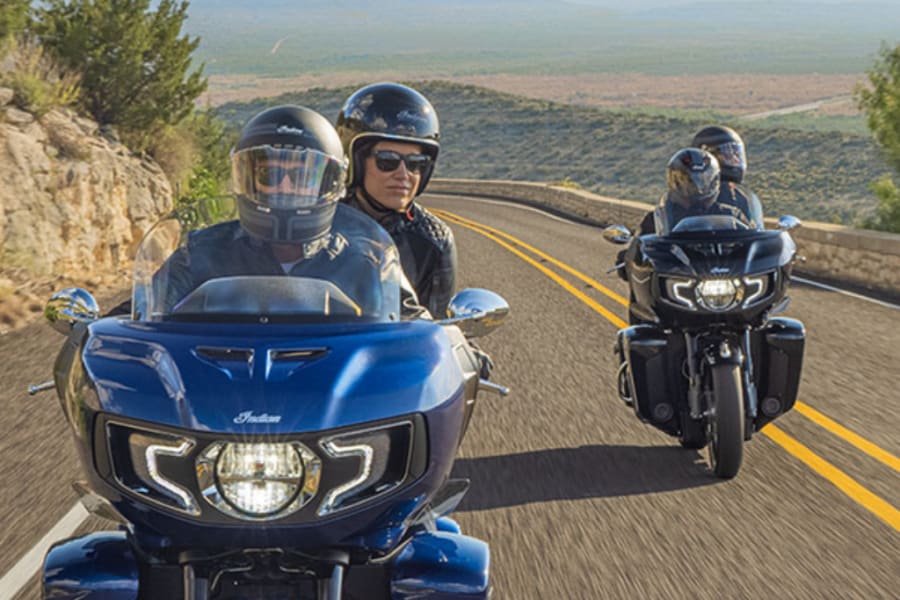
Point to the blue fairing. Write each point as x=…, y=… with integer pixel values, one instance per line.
x=442, y=565
x=180, y=375
x=99, y=565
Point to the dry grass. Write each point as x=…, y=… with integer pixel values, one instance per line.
x=736, y=94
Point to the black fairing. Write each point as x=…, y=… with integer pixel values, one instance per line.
x=693, y=255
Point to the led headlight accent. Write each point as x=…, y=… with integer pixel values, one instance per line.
x=146, y=450
x=754, y=288
x=717, y=294
x=258, y=481
x=383, y=457
x=680, y=291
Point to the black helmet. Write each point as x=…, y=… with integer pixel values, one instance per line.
x=692, y=179
x=387, y=111
x=300, y=145
x=727, y=146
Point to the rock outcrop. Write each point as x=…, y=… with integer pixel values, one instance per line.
x=73, y=205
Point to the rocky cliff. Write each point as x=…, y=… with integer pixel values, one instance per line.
x=73, y=206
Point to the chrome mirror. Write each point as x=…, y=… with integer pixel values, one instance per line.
x=788, y=222
x=70, y=306
x=617, y=234
x=477, y=312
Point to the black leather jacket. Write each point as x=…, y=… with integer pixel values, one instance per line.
x=427, y=253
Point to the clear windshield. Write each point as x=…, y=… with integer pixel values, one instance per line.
x=746, y=214
x=199, y=265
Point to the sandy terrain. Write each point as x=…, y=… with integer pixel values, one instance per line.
x=739, y=94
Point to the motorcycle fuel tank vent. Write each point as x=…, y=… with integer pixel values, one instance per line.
x=236, y=363
x=283, y=363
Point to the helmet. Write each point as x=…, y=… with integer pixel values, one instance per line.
x=692, y=179
x=727, y=146
x=387, y=111
x=288, y=172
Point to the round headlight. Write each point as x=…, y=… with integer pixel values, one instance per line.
x=717, y=294
x=259, y=479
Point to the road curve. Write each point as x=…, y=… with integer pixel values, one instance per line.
x=576, y=497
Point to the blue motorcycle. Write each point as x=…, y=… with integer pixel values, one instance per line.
x=267, y=437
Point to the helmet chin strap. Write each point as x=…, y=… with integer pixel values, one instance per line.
x=379, y=208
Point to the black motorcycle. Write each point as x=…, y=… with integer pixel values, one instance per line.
x=704, y=359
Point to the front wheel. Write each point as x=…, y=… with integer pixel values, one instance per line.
x=726, y=421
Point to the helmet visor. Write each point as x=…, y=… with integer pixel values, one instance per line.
x=287, y=178
x=694, y=188
x=732, y=155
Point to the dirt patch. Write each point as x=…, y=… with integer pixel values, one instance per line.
x=736, y=94
x=23, y=295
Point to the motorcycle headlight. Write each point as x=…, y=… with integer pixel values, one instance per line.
x=258, y=481
x=717, y=294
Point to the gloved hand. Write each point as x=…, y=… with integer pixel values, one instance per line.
x=484, y=360
x=620, y=259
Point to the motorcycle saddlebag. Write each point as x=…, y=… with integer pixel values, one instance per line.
x=780, y=361
x=655, y=362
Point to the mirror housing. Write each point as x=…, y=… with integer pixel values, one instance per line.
x=70, y=306
x=788, y=222
x=617, y=234
x=477, y=312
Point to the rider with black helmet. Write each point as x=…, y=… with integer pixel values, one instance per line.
x=727, y=146
x=288, y=175
x=391, y=136
x=693, y=183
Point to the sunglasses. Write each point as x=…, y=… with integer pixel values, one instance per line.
x=388, y=160
x=272, y=174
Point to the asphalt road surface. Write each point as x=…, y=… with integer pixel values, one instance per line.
x=576, y=497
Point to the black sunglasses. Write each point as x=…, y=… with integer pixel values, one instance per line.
x=388, y=160
x=272, y=174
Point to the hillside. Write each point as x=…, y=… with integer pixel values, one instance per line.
x=821, y=176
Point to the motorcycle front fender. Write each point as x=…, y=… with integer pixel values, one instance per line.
x=441, y=565
x=92, y=567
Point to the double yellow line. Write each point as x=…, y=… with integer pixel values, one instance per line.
x=849, y=486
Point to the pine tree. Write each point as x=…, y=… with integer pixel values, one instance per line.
x=134, y=62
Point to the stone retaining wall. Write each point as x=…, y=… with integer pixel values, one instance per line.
x=869, y=260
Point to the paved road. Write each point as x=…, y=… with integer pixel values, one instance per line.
x=576, y=497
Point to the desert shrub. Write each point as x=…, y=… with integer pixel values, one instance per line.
x=38, y=82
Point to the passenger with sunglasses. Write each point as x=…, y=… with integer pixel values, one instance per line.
x=391, y=136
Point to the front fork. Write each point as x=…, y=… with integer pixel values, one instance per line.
x=713, y=352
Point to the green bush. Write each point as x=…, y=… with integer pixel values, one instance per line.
x=37, y=81
x=887, y=213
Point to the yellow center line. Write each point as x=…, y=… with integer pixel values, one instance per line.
x=559, y=280
x=849, y=486
x=842, y=432
x=575, y=273
x=844, y=482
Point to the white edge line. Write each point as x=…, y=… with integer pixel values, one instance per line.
x=564, y=220
x=22, y=572
x=844, y=292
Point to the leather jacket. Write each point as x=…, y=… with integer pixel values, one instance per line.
x=427, y=253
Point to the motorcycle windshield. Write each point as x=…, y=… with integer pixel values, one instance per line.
x=199, y=265
x=669, y=218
